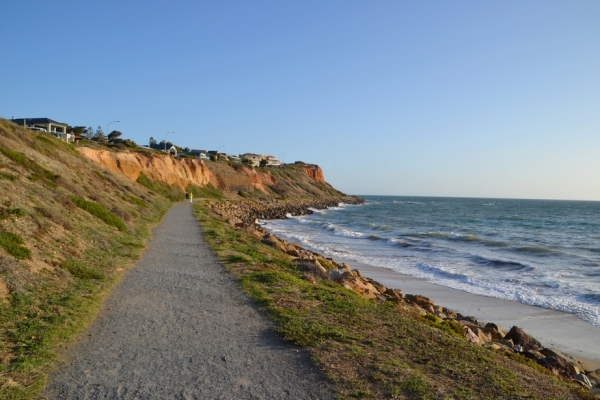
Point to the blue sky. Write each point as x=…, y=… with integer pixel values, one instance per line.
x=440, y=98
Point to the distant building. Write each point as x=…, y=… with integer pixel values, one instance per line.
x=217, y=155
x=271, y=160
x=251, y=158
x=201, y=154
x=58, y=129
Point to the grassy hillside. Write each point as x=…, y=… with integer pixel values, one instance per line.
x=68, y=228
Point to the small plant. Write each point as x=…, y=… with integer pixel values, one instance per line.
x=5, y=212
x=13, y=244
x=4, y=175
x=100, y=212
x=80, y=270
x=241, y=193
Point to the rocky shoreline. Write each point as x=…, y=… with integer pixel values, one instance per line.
x=316, y=267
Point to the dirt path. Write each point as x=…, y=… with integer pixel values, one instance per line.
x=177, y=327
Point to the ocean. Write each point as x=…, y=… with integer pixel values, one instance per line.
x=538, y=252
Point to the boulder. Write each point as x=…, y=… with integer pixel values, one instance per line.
x=334, y=274
x=495, y=331
x=557, y=365
x=507, y=342
x=380, y=288
x=471, y=336
x=519, y=337
x=594, y=377
x=356, y=284
x=274, y=242
x=311, y=267
x=395, y=293
x=419, y=300
x=533, y=354
x=583, y=379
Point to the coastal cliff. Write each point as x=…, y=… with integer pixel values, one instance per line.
x=293, y=180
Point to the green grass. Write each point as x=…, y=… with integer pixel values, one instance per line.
x=13, y=244
x=205, y=192
x=161, y=188
x=79, y=270
x=100, y=212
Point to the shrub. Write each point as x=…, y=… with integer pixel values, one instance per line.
x=5, y=212
x=100, y=212
x=13, y=244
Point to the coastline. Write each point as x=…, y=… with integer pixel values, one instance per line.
x=555, y=329
x=565, y=337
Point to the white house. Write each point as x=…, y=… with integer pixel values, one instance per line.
x=58, y=129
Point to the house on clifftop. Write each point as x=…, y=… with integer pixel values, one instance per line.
x=46, y=125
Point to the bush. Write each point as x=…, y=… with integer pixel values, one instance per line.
x=6, y=176
x=13, y=244
x=39, y=172
x=98, y=210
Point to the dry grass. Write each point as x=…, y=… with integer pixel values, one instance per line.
x=59, y=249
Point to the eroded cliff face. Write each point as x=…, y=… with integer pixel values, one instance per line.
x=315, y=172
x=182, y=171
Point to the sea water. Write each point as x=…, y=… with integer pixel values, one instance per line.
x=538, y=252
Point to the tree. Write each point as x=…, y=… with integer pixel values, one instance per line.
x=89, y=133
x=99, y=135
x=152, y=142
x=76, y=130
x=114, y=135
x=263, y=163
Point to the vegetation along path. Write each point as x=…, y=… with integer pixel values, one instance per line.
x=177, y=326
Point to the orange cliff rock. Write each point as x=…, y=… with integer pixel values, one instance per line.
x=315, y=172
x=182, y=171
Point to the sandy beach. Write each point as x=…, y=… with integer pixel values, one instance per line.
x=554, y=329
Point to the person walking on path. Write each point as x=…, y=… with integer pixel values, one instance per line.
x=178, y=327
x=191, y=197
x=187, y=195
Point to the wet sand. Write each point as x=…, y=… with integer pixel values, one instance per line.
x=554, y=329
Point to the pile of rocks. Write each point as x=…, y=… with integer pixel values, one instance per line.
x=247, y=211
x=316, y=267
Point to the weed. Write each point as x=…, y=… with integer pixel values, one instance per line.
x=6, y=212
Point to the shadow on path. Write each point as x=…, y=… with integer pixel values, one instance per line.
x=178, y=327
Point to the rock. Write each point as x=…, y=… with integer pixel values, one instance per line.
x=584, y=379
x=533, y=354
x=518, y=348
x=274, y=242
x=557, y=365
x=594, y=377
x=493, y=346
x=380, y=288
x=460, y=317
x=419, y=300
x=566, y=357
x=519, y=337
x=395, y=293
x=352, y=282
x=495, y=331
x=471, y=336
x=449, y=313
x=311, y=267
x=507, y=342
x=334, y=274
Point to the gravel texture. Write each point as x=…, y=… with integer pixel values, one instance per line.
x=178, y=327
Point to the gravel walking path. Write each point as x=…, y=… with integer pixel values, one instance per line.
x=178, y=327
